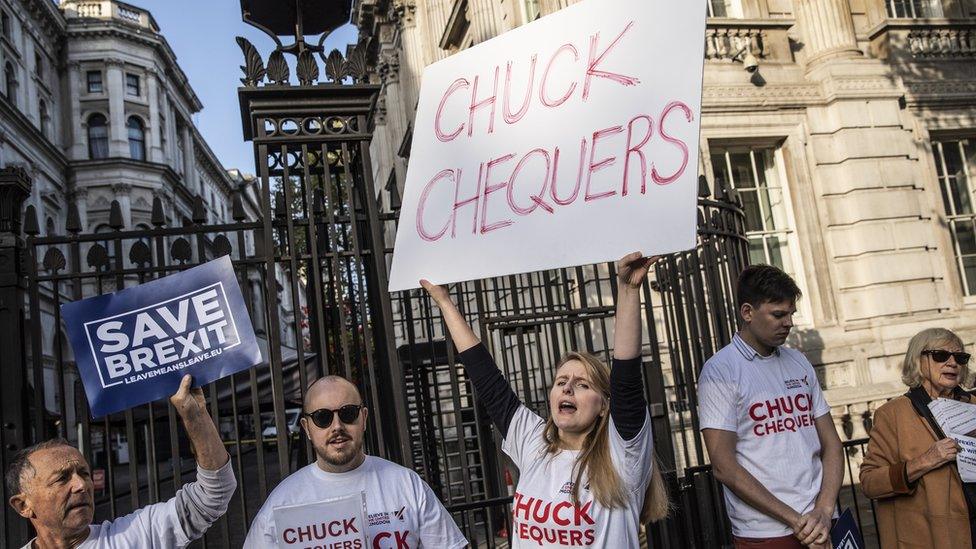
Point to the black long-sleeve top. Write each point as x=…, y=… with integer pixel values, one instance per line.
x=628, y=407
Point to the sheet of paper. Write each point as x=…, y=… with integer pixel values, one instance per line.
x=336, y=522
x=954, y=416
x=966, y=458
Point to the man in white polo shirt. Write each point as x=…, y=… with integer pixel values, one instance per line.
x=767, y=427
x=402, y=512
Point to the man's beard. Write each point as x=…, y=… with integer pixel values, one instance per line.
x=339, y=458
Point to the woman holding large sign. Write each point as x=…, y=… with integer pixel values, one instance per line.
x=587, y=477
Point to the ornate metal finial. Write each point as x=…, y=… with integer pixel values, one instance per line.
x=253, y=66
x=298, y=19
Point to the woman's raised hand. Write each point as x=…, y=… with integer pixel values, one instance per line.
x=632, y=268
x=437, y=293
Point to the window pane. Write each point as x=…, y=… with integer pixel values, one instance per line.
x=956, y=181
x=757, y=253
x=137, y=139
x=779, y=253
x=969, y=274
x=717, y=8
x=95, y=82
x=132, y=84
x=750, y=203
x=965, y=236
x=742, y=176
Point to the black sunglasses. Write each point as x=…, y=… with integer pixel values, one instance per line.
x=940, y=355
x=322, y=417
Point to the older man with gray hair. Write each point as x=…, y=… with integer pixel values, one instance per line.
x=53, y=489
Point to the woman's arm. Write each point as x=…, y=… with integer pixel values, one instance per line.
x=627, y=403
x=489, y=384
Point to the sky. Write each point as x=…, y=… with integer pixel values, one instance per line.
x=202, y=34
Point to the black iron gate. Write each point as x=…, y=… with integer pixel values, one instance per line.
x=310, y=247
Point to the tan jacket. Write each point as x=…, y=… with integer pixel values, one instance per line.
x=929, y=513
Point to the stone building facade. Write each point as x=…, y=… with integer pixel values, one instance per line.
x=852, y=144
x=95, y=108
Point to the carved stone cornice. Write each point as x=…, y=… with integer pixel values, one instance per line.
x=121, y=189
x=388, y=66
x=941, y=93
x=405, y=12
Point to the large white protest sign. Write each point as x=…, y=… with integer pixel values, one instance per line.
x=337, y=522
x=567, y=141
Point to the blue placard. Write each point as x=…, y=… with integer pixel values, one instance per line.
x=845, y=534
x=134, y=346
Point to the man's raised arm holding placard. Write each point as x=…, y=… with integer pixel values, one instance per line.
x=52, y=488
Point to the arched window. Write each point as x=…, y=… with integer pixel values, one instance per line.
x=97, y=137
x=137, y=138
x=10, y=79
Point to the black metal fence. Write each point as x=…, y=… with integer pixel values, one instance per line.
x=311, y=250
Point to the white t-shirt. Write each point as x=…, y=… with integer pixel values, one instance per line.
x=771, y=403
x=402, y=511
x=543, y=514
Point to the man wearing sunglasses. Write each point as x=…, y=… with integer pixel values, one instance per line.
x=402, y=510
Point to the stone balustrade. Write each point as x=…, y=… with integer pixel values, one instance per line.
x=109, y=9
x=912, y=40
x=943, y=42
x=89, y=9
x=732, y=39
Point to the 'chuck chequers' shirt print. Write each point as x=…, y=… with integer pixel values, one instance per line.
x=772, y=404
x=543, y=513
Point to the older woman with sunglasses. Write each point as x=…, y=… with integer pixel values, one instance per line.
x=909, y=468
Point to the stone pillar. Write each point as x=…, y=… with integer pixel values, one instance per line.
x=189, y=170
x=78, y=150
x=15, y=187
x=118, y=135
x=827, y=27
x=80, y=197
x=122, y=192
x=435, y=14
x=481, y=13
x=884, y=250
x=155, y=146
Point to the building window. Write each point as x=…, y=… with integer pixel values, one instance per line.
x=137, y=138
x=10, y=81
x=5, y=25
x=39, y=65
x=132, y=84
x=754, y=173
x=97, y=137
x=94, y=81
x=44, y=116
x=913, y=9
x=955, y=162
x=723, y=8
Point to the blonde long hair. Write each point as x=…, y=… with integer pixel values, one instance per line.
x=594, y=458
